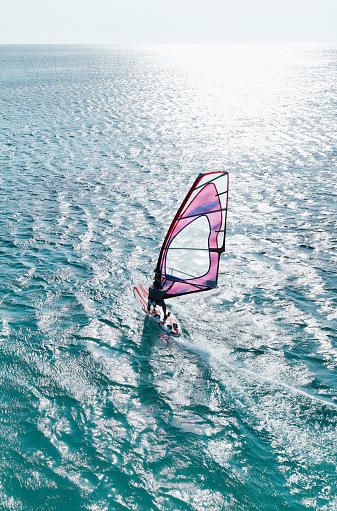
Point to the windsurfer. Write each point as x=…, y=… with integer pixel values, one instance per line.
x=156, y=294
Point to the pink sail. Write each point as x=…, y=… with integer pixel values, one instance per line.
x=196, y=238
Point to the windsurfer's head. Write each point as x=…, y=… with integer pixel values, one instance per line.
x=157, y=283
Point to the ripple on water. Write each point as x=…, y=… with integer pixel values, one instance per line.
x=100, y=409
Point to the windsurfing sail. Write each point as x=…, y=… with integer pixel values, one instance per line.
x=191, y=250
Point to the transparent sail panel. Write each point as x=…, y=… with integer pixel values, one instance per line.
x=188, y=255
x=196, y=237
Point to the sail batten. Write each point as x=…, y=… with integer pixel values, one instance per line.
x=206, y=213
x=196, y=237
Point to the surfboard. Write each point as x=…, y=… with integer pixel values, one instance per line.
x=170, y=326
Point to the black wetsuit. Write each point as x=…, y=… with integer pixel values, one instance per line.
x=156, y=295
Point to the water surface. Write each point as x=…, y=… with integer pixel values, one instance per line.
x=99, y=409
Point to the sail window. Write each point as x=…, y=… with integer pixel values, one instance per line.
x=188, y=255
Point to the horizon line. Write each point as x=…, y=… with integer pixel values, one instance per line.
x=176, y=43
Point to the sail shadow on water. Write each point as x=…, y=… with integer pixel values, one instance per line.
x=191, y=425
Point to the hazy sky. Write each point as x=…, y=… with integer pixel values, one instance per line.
x=167, y=21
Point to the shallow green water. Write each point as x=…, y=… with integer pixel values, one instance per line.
x=99, y=409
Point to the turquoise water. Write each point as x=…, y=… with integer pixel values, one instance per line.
x=99, y=409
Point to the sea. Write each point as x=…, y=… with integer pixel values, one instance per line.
x=100, y=410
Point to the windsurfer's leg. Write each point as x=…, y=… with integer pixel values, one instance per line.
x=163, y=306
x=151, y=304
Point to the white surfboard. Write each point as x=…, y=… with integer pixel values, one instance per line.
x=170, y=326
